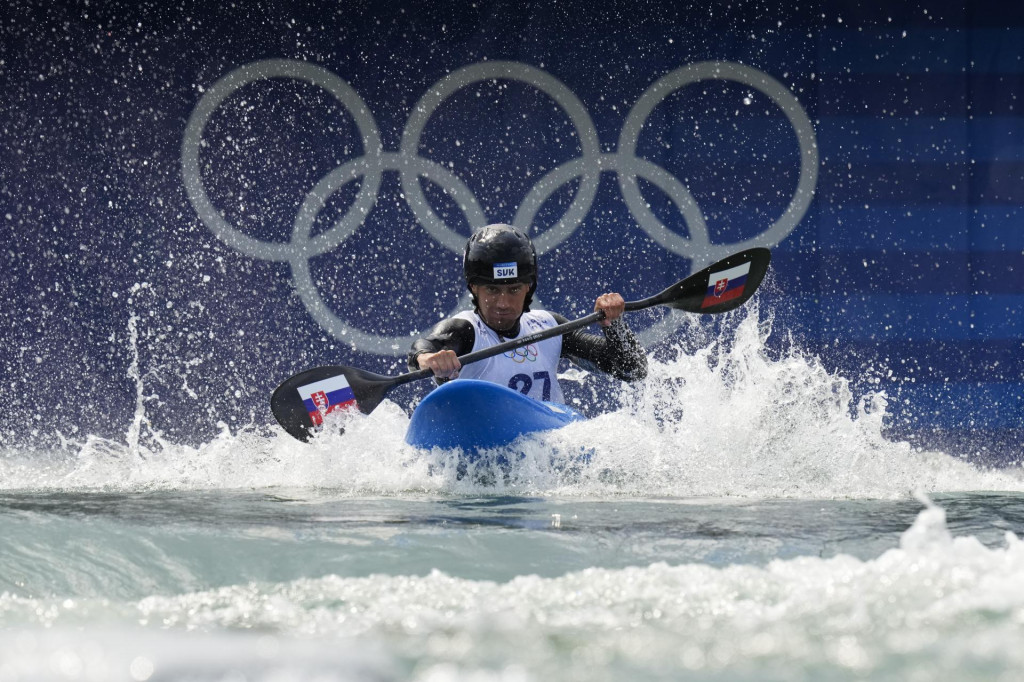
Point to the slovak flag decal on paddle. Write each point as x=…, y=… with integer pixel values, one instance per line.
x=726, y=285
x=324, y=397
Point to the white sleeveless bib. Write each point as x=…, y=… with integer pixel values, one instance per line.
x=530, y=370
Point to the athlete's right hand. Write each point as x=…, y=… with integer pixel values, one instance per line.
x=444, y=363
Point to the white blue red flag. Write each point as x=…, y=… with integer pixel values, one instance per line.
x=326, y=396
x=726, y=285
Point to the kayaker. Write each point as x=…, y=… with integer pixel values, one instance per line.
x=500, y=267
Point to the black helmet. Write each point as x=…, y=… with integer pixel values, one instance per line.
x=500, y=254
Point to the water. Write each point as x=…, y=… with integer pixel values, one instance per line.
x=742, y=517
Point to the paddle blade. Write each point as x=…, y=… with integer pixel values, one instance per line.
x=721, y=287
x=300, y=403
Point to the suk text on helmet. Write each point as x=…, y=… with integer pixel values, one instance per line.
x=500, y=254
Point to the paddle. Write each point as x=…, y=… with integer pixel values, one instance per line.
x=300, y=403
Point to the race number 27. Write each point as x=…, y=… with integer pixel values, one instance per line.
x=523, y=383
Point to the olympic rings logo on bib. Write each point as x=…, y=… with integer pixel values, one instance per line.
x=521, y=355
x=304, y=245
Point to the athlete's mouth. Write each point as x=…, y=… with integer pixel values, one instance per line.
x=503, y=320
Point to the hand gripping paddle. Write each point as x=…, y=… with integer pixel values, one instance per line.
x=300, y=403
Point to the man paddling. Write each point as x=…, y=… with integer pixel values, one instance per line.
x=500, y=267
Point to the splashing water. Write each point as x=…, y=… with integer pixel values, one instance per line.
x=726, y=420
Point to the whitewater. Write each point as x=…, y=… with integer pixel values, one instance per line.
x=743, y=515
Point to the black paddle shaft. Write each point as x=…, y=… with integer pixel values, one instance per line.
x=690, y=294
x=484, y=353
x=695, y=294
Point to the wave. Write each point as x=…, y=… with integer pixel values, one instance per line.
x=936, y=606
x=729, y=419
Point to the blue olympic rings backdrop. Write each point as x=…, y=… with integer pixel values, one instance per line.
x=200, y=202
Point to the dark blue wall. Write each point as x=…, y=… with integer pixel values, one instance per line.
x=223, y=187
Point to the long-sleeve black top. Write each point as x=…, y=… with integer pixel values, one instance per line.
x=617, y=352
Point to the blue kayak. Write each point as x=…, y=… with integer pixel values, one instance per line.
x=473, y=415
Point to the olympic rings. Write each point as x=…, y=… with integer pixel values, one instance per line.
x=521, y=355
x=303, y=245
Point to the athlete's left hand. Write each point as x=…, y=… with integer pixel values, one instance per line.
x=613, y=306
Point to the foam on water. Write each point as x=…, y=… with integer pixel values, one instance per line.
x=726, y=420
x=934, y=604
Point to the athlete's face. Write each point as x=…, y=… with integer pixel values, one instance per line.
x=501, y=304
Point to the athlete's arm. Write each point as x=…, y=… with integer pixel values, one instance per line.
x=440, y=349
x=618, y=352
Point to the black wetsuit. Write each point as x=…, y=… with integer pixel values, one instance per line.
x=617, y=352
